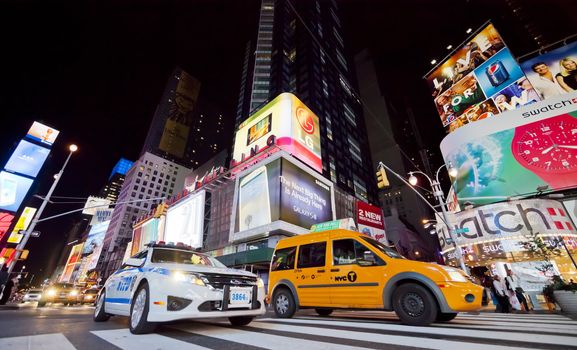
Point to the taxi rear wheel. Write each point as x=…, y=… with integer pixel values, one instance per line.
x=99, y=314
x=283, y=303
x=240, y=320
x=139, y=307
x=414, y=305
x=446, y=316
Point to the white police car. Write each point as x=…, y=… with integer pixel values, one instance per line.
x=172, y=282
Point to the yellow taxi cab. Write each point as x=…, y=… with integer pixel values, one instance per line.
x=342, y=269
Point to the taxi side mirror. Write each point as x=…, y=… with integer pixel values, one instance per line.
x=134, y=262
x=369, y=256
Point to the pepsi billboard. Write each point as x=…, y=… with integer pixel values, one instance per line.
x=27, y=159
x=479, y=80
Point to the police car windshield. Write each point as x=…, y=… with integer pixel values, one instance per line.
x=383, y=248
x=173, y=256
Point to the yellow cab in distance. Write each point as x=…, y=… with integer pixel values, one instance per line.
x=342, y=269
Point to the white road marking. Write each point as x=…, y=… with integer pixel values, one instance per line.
x=51, y=341
x=128, y=341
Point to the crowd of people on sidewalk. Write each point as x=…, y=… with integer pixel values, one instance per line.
x=506, y=294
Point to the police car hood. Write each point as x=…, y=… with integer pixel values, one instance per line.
x=203, y=269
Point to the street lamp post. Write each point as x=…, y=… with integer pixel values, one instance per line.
x=28, y=232
x=438, y=193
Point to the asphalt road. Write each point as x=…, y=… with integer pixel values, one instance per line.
x=67, y=328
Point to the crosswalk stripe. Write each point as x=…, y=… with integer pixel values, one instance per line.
x=512, y=327
x=123, y=339
x=428, y=343
x=519, y=337
x=37, y=342
x=528, y=326
x=267, y=341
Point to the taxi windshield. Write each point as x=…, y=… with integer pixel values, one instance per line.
x=174, y=256
x=383, y=248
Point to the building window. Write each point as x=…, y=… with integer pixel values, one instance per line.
x=355, y=150
x=333, y=169
x=349, y=114
x=360, y=188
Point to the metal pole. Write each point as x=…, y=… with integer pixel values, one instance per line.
x=438, y=193
x=28, y=232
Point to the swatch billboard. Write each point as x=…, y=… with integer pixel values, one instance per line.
x=285, y=122
x=532, y=149
x=480, y=80
x=553, y=73
x=281, y=191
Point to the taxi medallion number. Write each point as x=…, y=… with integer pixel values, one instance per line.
x=240, y=296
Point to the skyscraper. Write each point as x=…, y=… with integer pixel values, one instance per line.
x=172, y=126
x=111, y=189
x=300, y=49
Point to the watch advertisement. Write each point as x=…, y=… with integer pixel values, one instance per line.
x=531, y=150
x=281, y=191
x=479, y=80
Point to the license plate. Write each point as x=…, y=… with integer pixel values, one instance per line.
x=240, y=297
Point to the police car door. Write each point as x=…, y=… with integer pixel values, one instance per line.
x=121, y=287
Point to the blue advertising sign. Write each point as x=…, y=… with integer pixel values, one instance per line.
x=13, y=189
x=498, y=72
x=27, y=159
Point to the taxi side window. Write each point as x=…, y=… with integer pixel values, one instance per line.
x=312, y=255
x=350, y=251
x=284, y=259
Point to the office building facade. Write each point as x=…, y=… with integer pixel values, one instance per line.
x=111, y=189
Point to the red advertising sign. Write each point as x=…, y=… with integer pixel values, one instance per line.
x=370, y=221
x=5, y=222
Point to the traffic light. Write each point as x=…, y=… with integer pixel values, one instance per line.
x=382, y=180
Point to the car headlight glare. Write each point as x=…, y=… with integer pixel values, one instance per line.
x=455, y=275
x=73, y=293
x=180, y=276
x=260, y=282
x=51, y=292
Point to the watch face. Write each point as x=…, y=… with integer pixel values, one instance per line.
x=549, y=146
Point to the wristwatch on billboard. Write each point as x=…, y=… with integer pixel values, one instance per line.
x=548, y=148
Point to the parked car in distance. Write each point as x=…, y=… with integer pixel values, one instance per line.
x=64, y=293
x=32, y=295
x=88, y=296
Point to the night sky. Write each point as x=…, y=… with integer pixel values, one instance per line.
x=96, y=72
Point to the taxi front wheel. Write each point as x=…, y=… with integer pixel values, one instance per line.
x=414, y=305
x=283, y=303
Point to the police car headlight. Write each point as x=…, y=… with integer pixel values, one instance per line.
x=455, y=275
x=180, y=276
x=260, y=282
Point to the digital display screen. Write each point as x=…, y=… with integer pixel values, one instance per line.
x=184, y=222
x=259, y=129
x=13, y=190
x=42, y=133
x=27, y=159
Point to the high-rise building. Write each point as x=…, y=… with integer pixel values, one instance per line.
x=151, y=177
x=300, y=49
x=111, y=189
x=172, y=126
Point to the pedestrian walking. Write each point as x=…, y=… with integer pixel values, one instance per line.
x=515, y=290
x=7, y=291
x=503, y=300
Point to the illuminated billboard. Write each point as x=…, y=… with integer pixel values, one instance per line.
x=13, y=189
x=370, y=221
x=22, y=225
x=532, y=149
x=93, y=204
x=285, y=122
x=147, y=231
x=27, y=159
x=281, y=191
x=480, y=80
x=6, y=220
x=42, y=133
x=495, y=230
x=185, y=221
x=93, y=244
x=553, y=73
x=72, y=264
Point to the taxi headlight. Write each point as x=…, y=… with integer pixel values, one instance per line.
x=180, y=276
x=51, y=292
x=455, y=275
x=88, y=297
x=260, y=282
x=73, y=293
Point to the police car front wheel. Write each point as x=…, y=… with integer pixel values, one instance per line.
x=99, y=314
x=240, y=320
x=139, y=311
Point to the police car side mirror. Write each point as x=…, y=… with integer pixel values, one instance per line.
x=134, y=262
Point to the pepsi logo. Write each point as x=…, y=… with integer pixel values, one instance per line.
x=305, y=120
x=493, y=68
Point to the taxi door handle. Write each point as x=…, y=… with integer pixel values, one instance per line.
x=319, y=271
x=335, y=270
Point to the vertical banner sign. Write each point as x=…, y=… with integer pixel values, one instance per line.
x=371, y=221
x=22, y=225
